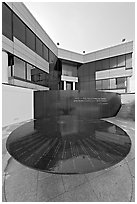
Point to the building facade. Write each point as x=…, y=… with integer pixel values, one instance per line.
x=31, y=59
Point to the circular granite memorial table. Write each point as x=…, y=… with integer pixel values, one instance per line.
x=68, y=145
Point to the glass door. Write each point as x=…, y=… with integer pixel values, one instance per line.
x=69, y=85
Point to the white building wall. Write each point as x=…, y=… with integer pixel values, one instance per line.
x=69, y=78
x=109, y=52
x=132, y=79
x=17, y=104
x=4, y=67
x=68, y=55
x=113, y=73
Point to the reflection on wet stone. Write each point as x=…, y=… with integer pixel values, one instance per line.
x=67, y=144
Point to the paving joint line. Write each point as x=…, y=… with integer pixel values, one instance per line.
x=132, y=188
x=4, y=189
x=37, y=186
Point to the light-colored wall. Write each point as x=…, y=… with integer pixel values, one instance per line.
x=109, y=52
x=4, y=67
x=132, y=79
x=17, y=104
x=69, y=78
x=113, y=73
x=127, y=110
x=68, y=55
x=127, y=98
x=25, y=84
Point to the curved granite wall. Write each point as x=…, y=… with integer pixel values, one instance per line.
x=84, y=104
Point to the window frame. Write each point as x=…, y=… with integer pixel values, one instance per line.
x=11, y=34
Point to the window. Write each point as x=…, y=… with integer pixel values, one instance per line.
x=45, y=53
x=112, y=83
x=39, y=77
x=38, y=46
x=99, y=84
x=10, y=65
x=121, y=60
x=105, y=84
x=30, y=39
x=6, y=21
x=29, y=70
x=69, y=70
x=52, y=61
x=98, y=65
x=105, y=64
x=113, y=62
x=69, y=85
x=129, y=60
x=18, y=29
x=19, y=68
x=120, y=82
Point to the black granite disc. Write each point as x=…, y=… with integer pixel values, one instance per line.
x=67, y=145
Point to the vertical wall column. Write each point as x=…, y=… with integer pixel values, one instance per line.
x=4, y=67
x=65, y=85
x=73, y=85
x=128, y=84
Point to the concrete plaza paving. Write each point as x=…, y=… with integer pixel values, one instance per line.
x=116, y=184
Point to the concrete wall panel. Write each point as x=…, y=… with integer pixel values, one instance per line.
x=113, y=73
x=117, y=50
x=68, y=55
x=27, y=84
x=7, y=44
x=109, y=52
x=17, y=104
x=129, y=47
x=69, y=78
x=102, y=53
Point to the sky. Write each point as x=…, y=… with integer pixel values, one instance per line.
x=85, y=26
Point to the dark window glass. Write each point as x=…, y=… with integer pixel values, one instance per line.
x=45, y=53
x=99, y=84
x=19, y=68
x=38, y=46
x=6, y=21
x=18, y=29
x=69, y=85
x=52, y=61
x=10, y=60
x=98, y=65
x=105, y=64
x=10, y=64
x=106, y=84
x=120, y=82
x=69, y=69
x=39, y=77
x=76, y=86
x=113, y=62
x=121, y=60
x=30, y=39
